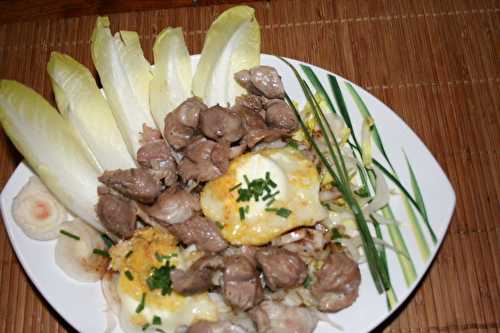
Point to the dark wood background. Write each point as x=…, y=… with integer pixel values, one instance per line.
x=435, y=62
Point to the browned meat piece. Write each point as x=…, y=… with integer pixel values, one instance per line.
x=154, y=151
x=149, y=135
x=282, y=268
x=116, y=214
x=181, y=124
x=204, y=160
x=174, y=206
x=199, y=150
x=200, y=231
x=220, y=156
x=281, y=116
x=137, y=184
x=275, y=317
x=242, y=287
x=198, y=277
x=256, y=129
x=261, y=80
x=158, y=157
x=221, y=124
x=337, y=282
x=252, y=102
x=201, y=172
x=205, y=326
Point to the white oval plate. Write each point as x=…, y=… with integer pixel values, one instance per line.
x=83, y=305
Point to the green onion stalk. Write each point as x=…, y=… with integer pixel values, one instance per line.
x=338, y=172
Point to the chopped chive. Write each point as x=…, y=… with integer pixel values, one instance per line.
x=141, y=305
x=234, y=187
x=246, y=180
x=270, y=202
x=307, y=282
x=283, y=212
x=129, y=253
x=267, y=196
x=268, y=175
x=160, y=257
x=146, y=326
x=336, y=234
x=69, y=234
x=247, y=209
x=101, y=253
x=219, y=225
x=129, y=275
x=293, y=144
x=270, y=209
x=242, y=213
x=272, y=184
x=156, y=320
x=108, y=241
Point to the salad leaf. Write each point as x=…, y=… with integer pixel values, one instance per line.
x=51, y=148
x=85, y=108
x=232, y=44
x=125, y=76
x=171, y=83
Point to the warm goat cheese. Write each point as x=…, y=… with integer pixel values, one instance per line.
x=256, y=222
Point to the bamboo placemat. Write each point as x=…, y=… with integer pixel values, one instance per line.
x=436, y=63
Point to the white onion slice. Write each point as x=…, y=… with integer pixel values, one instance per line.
x=37, y=212
x=382, y=194
x=76, y=257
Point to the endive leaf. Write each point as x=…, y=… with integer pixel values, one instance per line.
x=51, y=148
x=85, y=108
x=171, y=83
x=125, y=76
x=232, y=44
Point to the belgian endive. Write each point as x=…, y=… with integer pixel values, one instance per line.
x=51, y=147
x=125, y=76
x=82, y=104
x=232, y=44
x=171, y=83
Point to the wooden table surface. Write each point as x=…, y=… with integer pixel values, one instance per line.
x=435, y=62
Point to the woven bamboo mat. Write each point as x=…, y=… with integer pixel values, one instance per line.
x=436, y=63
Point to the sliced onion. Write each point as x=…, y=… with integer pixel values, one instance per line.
x=37, y=212
x=329, y=195
x=382, y=194
x=76, y=257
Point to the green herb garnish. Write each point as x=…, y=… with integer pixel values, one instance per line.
x=307, y=282
x=146, y=326
x=293, y=144
x=129, y=275
x=242, y=213
x=336, y=167
x=234, y=187
x=160, y=257
x=129, y=253
x=102, y=253
x=336, y=234
x=219, y=225
x=69, y=234
x=141, y=305
x=108, y=241
x=160, y=279
x=156, y=320
x=283, y=212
